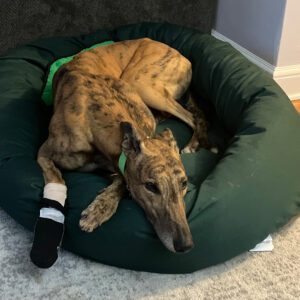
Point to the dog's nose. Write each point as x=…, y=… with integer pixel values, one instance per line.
x=183, y=246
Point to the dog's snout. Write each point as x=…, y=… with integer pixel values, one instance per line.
x=182, y=246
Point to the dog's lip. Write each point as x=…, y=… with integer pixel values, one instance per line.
x=167, y=241
x=172, y=249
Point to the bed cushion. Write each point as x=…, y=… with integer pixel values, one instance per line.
x=235, y=199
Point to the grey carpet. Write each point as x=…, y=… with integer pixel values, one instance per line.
x=257, y=276
x=24, y=20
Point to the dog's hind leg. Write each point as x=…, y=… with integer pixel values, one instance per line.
x=103, y=206
x=192, y=116
x=164, y=102
x=200, y=136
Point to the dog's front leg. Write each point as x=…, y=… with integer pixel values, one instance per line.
x=49, y=227
x=103, y=206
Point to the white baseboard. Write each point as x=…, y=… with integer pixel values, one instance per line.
x=287, y=77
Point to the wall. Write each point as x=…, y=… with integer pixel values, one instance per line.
x=254, y=24
x=267, y=32
x=289, y=50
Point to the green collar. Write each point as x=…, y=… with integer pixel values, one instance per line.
x=122, y=162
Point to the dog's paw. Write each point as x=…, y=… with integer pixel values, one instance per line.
x=191, y=148
x=98, y=212
x=214, y=150
x=88, y=221
x=187, y=150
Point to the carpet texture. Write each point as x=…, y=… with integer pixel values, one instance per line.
x=256, y=276
x=24, y=20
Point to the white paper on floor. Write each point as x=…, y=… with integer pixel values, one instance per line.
x=265, y=246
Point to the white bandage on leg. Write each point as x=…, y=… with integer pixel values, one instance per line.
x=53, y=214
x=56, y=191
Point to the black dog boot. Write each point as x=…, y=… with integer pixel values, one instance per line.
x=48, y=234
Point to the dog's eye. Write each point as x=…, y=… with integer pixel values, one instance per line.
x=152, y=187
x=184, y=184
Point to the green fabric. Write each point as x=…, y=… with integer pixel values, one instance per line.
x=47, y=95
x=234, y=200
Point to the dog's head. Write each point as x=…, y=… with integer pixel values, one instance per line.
x=156, y=179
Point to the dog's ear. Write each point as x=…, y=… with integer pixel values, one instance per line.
x=168, y=136
x=131, y=142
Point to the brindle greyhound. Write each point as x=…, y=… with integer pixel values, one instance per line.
x=102, y=108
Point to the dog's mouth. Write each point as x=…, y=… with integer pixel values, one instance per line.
x=167, y=241
x=179, y=243
x=175, y=236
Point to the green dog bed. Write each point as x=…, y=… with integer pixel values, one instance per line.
x=235, y=199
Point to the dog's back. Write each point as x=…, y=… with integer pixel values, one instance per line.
x=111, y=84
x=141, y=62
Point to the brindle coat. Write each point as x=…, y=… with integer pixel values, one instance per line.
x=101, y=107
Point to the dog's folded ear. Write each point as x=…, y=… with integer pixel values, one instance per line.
x=168, y=136
x=131, y=142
